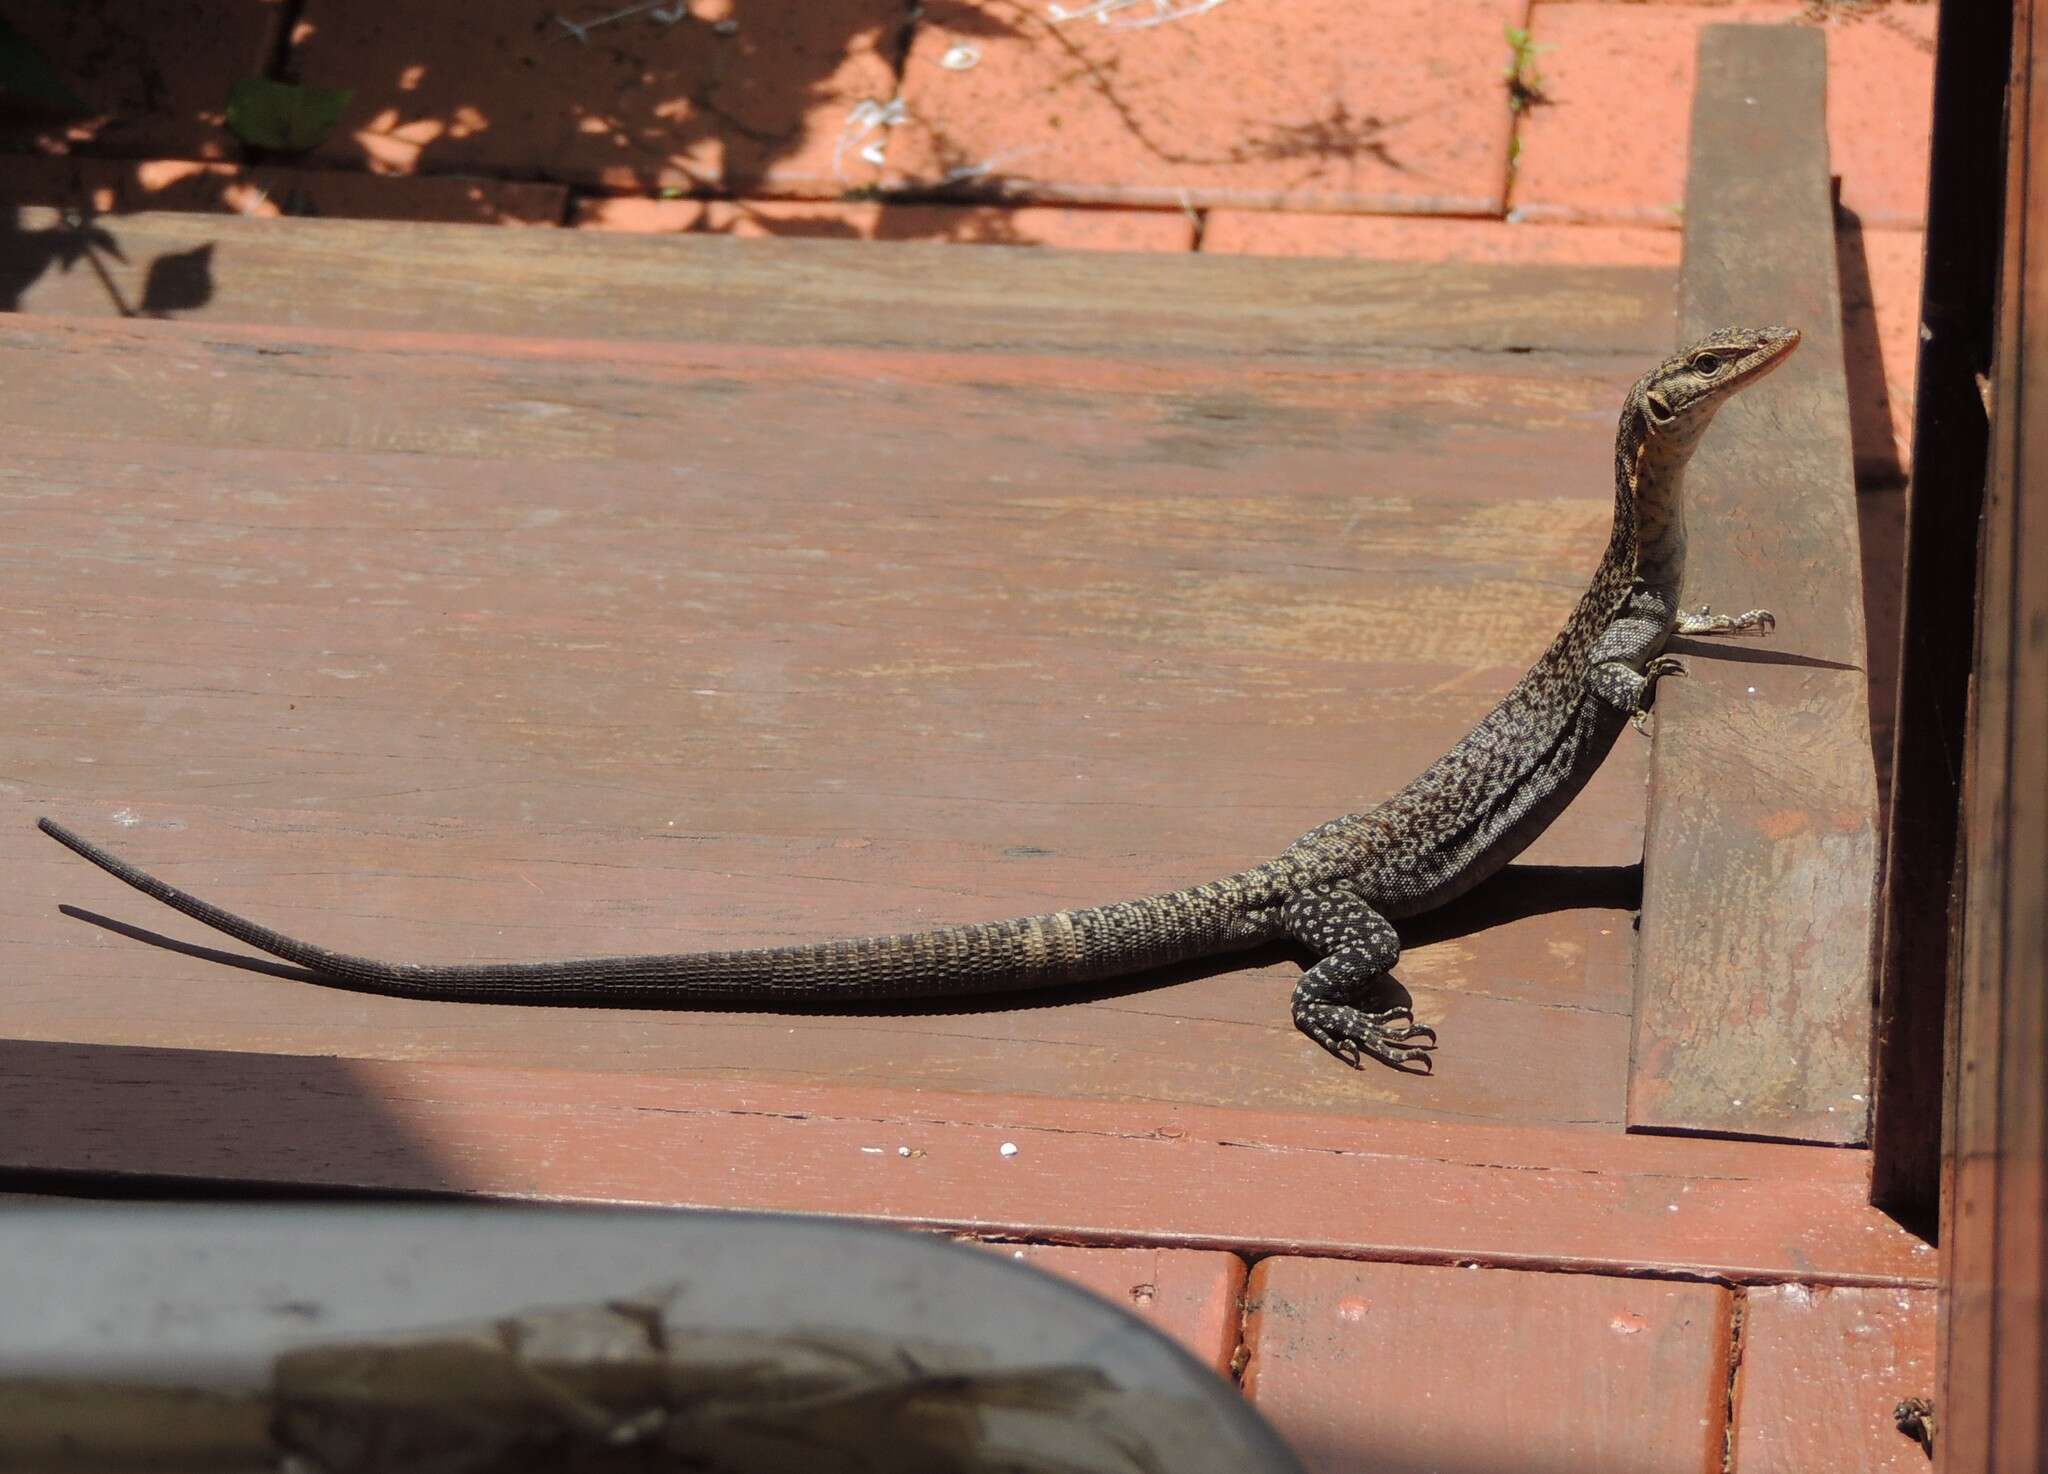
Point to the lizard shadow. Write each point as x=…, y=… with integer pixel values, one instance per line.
x=1518, y=891
x=1734, y=654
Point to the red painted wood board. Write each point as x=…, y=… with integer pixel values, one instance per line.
x=1408, y=1369
x=1195, y=1296
x=1124, y=1173
x=1822, y=1371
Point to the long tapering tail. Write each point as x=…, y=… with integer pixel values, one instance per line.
x=1024, y=952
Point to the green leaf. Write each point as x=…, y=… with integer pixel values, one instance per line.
x=27, y=74
x=281, y=116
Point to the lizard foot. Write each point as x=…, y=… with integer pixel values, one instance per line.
x=1332, y=999
x=1352, y=1033
x=1704, y=621
x=1655, y=671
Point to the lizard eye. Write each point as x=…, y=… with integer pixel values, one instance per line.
x=1706, y=363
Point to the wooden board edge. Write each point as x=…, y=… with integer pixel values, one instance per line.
x=379, y=275
x=1004, y=1166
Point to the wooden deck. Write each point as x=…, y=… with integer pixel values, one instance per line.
x=453, y=596
x=445, y=645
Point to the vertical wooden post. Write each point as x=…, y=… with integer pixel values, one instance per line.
x=1992, y=1409
x=1958, y=306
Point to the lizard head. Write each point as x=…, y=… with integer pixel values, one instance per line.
x=1667, y=411
x=1680, y=395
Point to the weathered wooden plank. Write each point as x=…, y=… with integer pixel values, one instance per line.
x=579, y=284
x=1993, y=1401
x=1150, y=1173
x=1382, y=1366
x=1822, y=1370
x=422, y=648
x=1753, y=998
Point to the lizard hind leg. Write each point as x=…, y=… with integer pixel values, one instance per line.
x=1333, y=1000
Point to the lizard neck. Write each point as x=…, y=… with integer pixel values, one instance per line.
x=1649, y=474
x=1660, y=516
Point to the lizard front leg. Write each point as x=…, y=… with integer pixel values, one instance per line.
x=1356, y=945
x=1704, y=621
x=1627, y=659
x=1628, y=690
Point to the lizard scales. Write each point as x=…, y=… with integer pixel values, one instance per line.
x=1336, y=890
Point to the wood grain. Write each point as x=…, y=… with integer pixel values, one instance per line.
x=1156, y=1174
x=1753, y=979
x=1412, y=1370
x=1822, y=1370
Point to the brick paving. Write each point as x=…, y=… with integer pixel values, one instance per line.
x=734, y=103
x=1307, y=104
x=1435, y=238
x=994, y=225
x=1604, y=147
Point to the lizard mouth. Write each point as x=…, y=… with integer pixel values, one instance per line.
x=1774, y=346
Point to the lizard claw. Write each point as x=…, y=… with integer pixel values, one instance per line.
x=1352, y=1033
x=1655, y=671
x=1704, y=621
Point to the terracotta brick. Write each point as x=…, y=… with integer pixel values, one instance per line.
x=1030, y=225
x=115, y=186
x=156, y=72
x=348, y=195
x=1606, y=145
x=1315, y=103
x=1190, y=1295
x=760, y=97
x=60, y=182
x=1398, y=1368
x=1880, y=274
x=1822, y=1370
x=1434, y=238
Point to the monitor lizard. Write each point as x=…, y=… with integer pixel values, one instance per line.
x=1335, y=891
